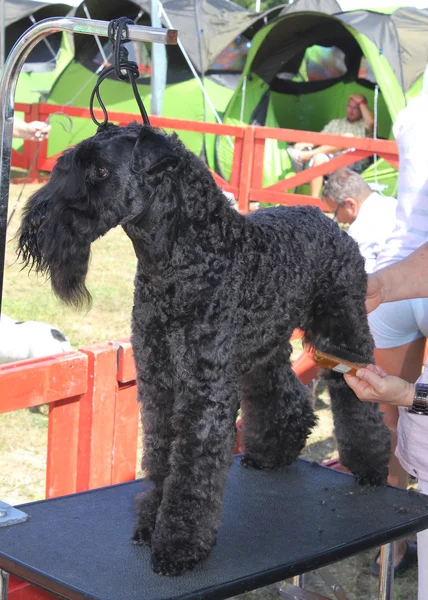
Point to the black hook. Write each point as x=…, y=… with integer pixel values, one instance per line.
x=123, y=68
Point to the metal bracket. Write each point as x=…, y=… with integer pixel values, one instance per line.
x=335, y=587
x=9, y=515
x=292, y=592
x=4, y=584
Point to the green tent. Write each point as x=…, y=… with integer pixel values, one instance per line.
x=48, y=58
x=303, y=66
x=215, y=35
x=46, y=61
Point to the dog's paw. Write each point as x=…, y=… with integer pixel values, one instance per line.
x=373, y=478
x=175, y=559
x=147, y=506
x=142, y=535
x=250, y=462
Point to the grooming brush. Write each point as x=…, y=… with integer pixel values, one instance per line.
x=342, y=362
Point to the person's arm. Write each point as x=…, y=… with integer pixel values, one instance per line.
x=306, y=155
x=407, y=278
x=303, y=146
x=366, y=113
x=372, y=384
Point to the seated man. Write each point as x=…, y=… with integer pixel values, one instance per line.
x=371, y=216
x=357, y=123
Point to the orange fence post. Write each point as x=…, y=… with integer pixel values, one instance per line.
x=246, y=170
x=63, y=437
x=96, y=422
x=126, y=417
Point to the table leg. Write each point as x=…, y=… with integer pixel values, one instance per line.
x=4, y=584
x=386, y=573
x=298, y=580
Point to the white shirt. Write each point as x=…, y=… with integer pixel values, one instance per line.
x=412, y=440
x=411, y=132
x=373, y=225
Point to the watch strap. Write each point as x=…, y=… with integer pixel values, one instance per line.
x=420, y=400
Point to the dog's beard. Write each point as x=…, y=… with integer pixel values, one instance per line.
x=64, y=261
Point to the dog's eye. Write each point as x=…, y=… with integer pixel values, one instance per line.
x=101, y=172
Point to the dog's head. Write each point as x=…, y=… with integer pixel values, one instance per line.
x=107, y=180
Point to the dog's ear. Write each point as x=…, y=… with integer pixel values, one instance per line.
x=152, y=153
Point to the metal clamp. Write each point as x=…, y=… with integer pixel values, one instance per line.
x=9, y=515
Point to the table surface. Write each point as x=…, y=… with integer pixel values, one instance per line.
x=274, y=525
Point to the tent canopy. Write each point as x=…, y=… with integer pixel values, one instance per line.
x=205, y=27
x=302, y=67
x=19, y=9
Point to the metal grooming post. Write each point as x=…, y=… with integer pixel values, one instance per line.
x=12, y=69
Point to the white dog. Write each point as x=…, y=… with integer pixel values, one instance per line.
x=29, y=339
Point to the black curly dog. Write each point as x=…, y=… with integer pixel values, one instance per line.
x=217, y=295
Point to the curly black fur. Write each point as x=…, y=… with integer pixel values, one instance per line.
x=217, y=296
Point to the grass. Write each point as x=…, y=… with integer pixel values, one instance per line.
x=110, y=281
x=23, y=434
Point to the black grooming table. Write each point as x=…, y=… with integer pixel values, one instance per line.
x=275, y=525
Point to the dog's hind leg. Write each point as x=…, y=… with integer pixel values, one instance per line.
x=204, y=423
x=277, y=413
x=340, y=322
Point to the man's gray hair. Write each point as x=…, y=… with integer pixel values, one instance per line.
x=346, y=183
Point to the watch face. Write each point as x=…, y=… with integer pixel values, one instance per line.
x=420, y=402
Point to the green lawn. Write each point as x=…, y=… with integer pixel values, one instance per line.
x=110, y=281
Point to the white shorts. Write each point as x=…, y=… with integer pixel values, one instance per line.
x=394, y=324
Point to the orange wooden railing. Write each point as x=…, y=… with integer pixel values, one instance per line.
x=247, y=167
x=92, y=420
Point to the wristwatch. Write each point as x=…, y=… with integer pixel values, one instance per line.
x=420, y=400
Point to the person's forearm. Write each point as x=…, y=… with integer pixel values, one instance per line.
x=367, y=116
x=407, y=278
x=325, y=149
x=18, y=127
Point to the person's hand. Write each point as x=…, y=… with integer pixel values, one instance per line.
x=374, y=292
x=302, y=146
x=372, y=384
x=306, y=155
x=36, y=131
x=358, y=98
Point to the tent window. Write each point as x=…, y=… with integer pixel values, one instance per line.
x=233, y=57
x=321, y=63
x=365, y=71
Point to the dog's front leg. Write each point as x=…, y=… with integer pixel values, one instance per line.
x=156, y=396
x=204, y=424
x=156, y=413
